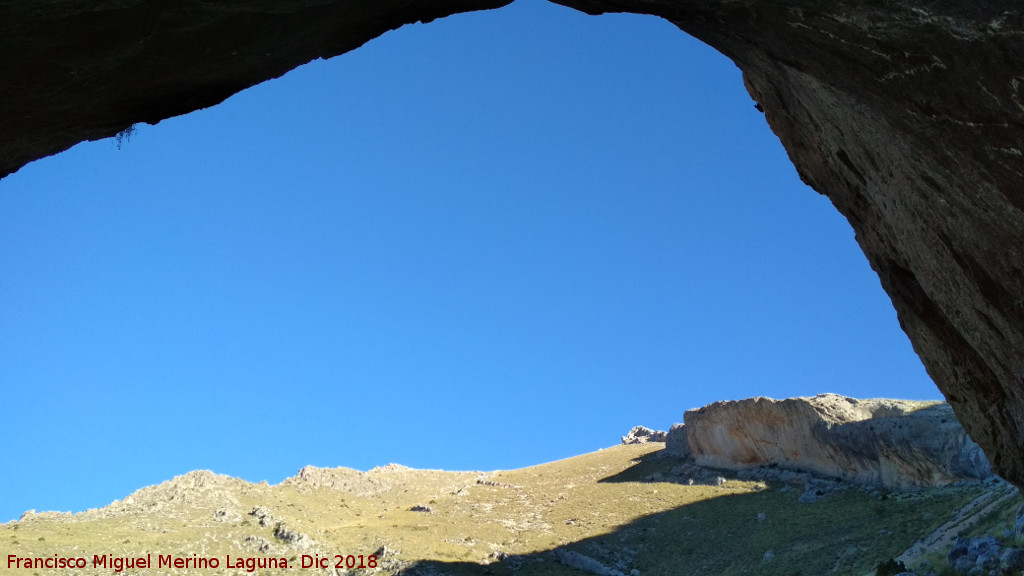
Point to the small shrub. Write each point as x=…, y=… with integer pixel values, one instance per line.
x=890, y=568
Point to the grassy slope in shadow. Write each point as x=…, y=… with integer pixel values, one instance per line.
x=847, y=532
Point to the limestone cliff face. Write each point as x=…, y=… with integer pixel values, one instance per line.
x=908, y=115
x=895, y=443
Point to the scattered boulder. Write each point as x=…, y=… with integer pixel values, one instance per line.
x=385, y=551
x=226, y=515
x=811, y=495
x=813, y=491
x=258, y=543
x=496, y=556
x=967, y=554
x=643, y=435
x=293, y=538
x=1011, y=560
x=421, y=508
x=584, y=563
x=263, y=515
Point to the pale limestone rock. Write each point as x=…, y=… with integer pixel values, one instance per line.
x=894, y=443
x=643, y=435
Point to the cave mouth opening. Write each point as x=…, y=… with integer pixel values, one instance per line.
x=493, y=222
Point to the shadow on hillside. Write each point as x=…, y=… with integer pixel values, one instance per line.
x=730, y=534
x=651, y=467
x=660, y=466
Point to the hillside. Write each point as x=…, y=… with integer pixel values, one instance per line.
x=624, y=509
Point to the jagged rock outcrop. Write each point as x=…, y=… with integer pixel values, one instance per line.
x=676, y=442
x=343, y=479
x=293, y=538
x=894, y=443
x=643, y=435
x=908, y=115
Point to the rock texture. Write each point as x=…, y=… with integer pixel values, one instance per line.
x=676, y=442
x=909, y=115
x=74, y=71
x=894, y=443
x=643, y=435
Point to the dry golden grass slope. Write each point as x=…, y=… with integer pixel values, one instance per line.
x=594, y=511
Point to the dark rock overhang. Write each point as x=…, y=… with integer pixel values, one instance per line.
x=908, y=115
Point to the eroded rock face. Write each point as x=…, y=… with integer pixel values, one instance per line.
x=895, y=443
x=908, y=115
x=643, y=435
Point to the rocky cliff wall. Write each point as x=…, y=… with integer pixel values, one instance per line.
x=908, y=115
x=894, y=443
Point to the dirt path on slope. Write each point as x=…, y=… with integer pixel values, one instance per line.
x=962, y=519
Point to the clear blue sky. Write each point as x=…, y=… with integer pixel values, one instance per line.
x=499, y=239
